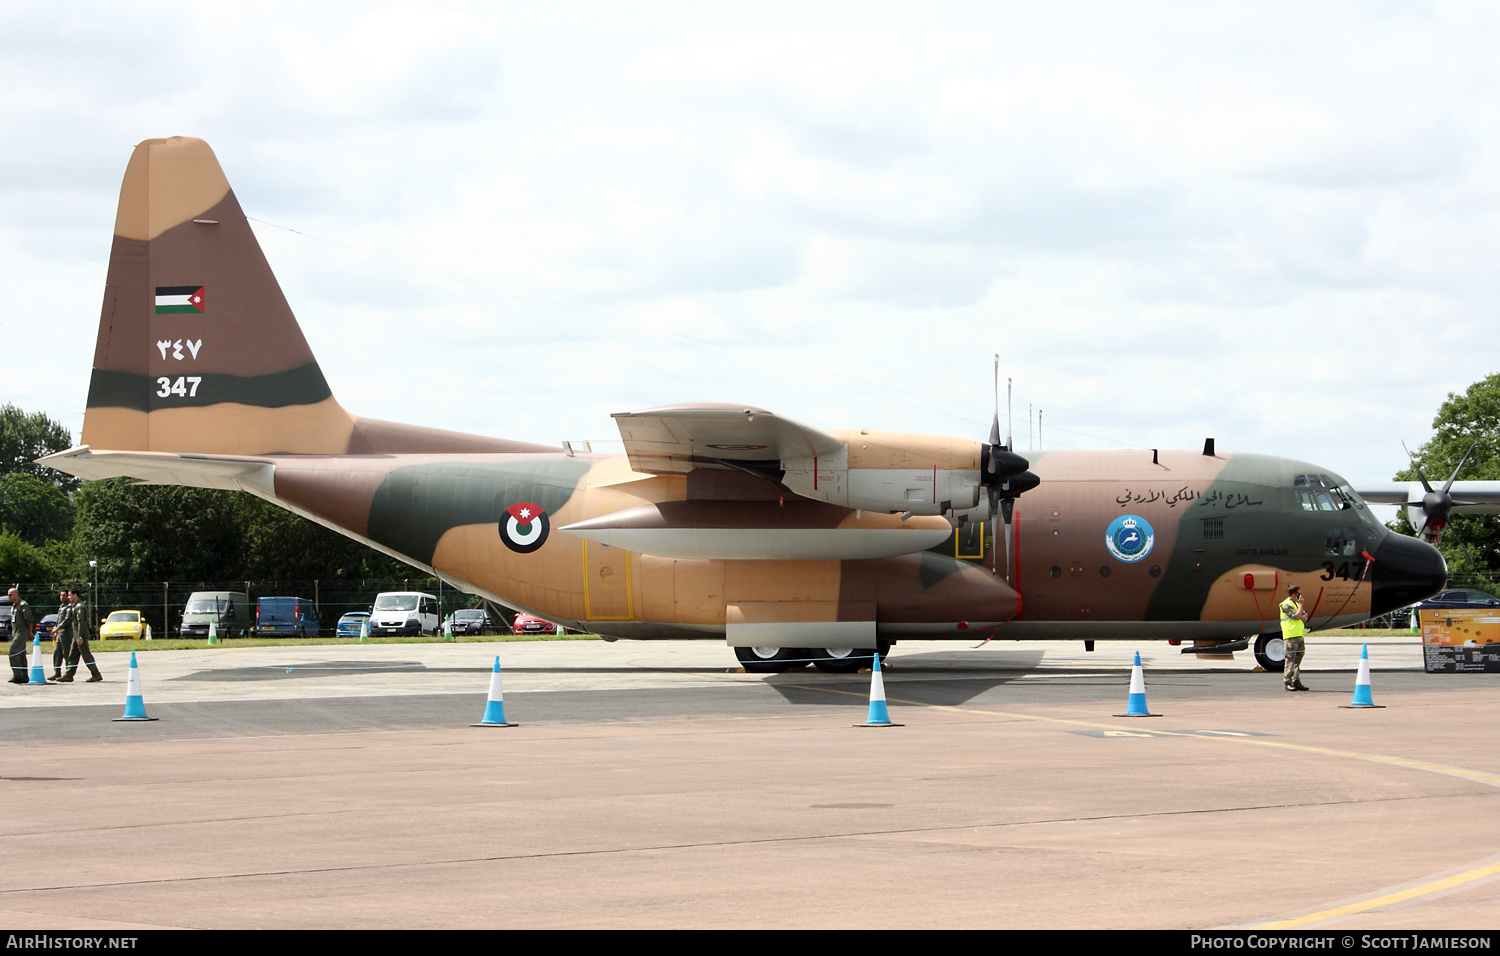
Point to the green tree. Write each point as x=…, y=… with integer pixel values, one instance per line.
x=279, y=545
x=36, y=510
x=66, y=564
x=26, y=437
x=1470, y=419
x=157, y=533
x=166, y=533
x=22, y=562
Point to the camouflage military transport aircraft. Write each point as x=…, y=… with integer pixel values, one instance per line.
x=723, y=521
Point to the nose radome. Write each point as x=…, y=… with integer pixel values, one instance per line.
x=1406, y=571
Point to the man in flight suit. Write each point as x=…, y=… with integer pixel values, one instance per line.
x=82, y=630
x=62, y=634
x=1293, y=626
x=22, y=623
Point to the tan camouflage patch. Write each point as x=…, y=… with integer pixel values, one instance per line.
x=1230, y=600
x=902, y=450
x=168, y=182
x=224, y=429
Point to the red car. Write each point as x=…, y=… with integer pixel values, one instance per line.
x=526, y=624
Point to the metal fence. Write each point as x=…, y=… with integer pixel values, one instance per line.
x=1469, y=579
x=161, y=603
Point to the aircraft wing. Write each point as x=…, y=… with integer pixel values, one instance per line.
x=676, y=439
x=1469, y=497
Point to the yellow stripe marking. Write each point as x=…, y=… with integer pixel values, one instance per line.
x=1436, y=886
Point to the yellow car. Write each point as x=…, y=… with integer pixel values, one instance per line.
x=123, y=625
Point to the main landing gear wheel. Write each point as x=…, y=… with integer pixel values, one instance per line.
x=845, y=660
x=840, y=660
x=1270, y=653
x=769, y=660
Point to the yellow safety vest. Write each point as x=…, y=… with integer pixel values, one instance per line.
x=1290, y=626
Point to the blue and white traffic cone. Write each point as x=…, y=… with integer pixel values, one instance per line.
x=1362, y=698
x=1136, y=707
x=38, y=666
x=494, y=710
x=878, y=715
x=135, y=707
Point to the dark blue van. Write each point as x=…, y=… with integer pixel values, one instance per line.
x=286, y=617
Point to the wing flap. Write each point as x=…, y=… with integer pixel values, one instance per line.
x=677, y=439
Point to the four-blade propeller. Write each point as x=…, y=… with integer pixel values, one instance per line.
x=1004, y=476
x=1438, y=505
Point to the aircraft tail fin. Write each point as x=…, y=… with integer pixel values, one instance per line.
x=198, y=350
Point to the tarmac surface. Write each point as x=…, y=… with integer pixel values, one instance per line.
x=652, y=785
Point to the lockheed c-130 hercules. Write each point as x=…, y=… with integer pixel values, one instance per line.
x=726, y=521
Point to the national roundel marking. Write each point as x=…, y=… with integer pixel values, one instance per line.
x=524, y=527
x=1129, y=538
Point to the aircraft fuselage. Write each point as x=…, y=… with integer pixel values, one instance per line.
x=1109, y=544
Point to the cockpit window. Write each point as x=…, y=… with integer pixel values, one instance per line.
x=1336, y=497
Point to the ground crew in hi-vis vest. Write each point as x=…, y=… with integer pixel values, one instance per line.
x=83, y=629
x=22, y=624
x=1293, y=626
x=62, y=634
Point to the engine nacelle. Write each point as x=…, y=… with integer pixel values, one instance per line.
x=892, y=472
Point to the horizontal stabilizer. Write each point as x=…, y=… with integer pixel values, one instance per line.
x=161, y=468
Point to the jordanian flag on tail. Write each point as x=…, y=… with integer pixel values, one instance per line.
x=179, y=298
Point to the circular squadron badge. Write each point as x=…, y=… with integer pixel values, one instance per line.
x=1129, y=538
x=524, y=528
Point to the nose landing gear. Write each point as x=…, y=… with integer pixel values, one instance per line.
x=1270, y=653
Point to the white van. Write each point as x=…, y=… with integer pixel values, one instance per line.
x=404, y=612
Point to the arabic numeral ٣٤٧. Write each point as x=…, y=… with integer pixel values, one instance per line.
x=184, y=386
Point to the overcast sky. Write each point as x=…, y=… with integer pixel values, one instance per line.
x=1274, y=224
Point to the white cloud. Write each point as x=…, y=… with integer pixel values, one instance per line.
x=1272, y=223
